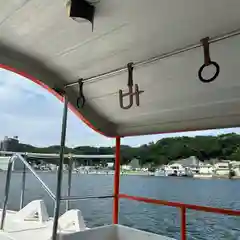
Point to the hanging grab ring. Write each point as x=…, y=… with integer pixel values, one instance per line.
x=81, y=99
x=213, y=77
x=207, y=62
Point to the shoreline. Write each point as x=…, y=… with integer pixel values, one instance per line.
x=151, y=174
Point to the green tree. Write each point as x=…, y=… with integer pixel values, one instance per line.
x=236, y=155
x=163, y=151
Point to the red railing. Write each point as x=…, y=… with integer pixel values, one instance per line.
x=181, y=206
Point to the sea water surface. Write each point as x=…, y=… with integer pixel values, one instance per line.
x=153, y=218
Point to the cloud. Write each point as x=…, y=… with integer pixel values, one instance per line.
x=30, y=112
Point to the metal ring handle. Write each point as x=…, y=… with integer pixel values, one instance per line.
x=81, y=99
x=80, y=102
x=213, y=77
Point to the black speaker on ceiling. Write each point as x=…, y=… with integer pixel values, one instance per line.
x=80, y=10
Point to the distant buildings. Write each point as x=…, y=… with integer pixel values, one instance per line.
x=191, y=162
x=110, y=165
x=222, y=168
x=126, y=167
x=206, y=168
x=194, y=167
x=10, y=144
x=175, y=169
x=133, y=165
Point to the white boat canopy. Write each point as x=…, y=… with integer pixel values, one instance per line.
x=162, y=38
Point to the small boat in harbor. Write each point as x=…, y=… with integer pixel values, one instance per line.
x=160, y=173
x=173, y=170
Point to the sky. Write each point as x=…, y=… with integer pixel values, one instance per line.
x=34, y=115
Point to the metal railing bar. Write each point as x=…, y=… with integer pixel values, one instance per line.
x=60, y=169
x=69, y=182
x=75, y=198
x=23, y=186
x=49, y=155
x=7, y=184
x=44, y=185
x=154, y=59
x=181, y=205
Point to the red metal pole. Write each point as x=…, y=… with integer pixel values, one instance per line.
x=116, y=181
x=183, y=223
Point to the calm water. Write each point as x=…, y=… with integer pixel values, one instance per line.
x=153, y=218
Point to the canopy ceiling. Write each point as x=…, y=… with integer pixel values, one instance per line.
x=38, y=38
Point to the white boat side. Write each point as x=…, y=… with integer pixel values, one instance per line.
x=33, y=222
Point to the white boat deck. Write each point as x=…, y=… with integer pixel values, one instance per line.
x=28, y=225
x=28, y=229
x=114, y=232
x=17, y=229
x=33, y=222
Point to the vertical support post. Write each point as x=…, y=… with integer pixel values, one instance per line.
x=23, y=186
x=70, y=164
x=60, y=168
x=116, y=181
x=183, y=223
x=7, y=186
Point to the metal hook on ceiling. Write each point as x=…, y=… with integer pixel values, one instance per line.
x=81, y=99
x=207, y=62
x=130, y=92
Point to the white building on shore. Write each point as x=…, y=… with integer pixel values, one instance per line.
x=206, y=168
x=222, y=168
x=126, y=167
x=175, y=169
x=189, y=166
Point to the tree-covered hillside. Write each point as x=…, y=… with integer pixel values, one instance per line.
x=163, y=151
